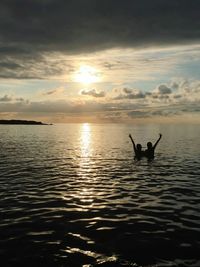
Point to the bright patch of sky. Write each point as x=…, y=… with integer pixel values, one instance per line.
x=110, y=80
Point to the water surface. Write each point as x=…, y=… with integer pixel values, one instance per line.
x=72, y=195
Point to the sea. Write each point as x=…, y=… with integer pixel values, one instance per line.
x=73, y=195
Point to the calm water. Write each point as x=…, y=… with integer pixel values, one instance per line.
x=72, y=195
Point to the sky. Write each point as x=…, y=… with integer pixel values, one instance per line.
x=100, y=60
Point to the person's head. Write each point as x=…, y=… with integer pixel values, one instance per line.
x=139, y=147
x=149, y=145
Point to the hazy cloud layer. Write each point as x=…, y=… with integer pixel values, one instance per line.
x=166, y=100
x=75, y=26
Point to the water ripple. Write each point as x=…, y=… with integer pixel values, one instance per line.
x=63, y=206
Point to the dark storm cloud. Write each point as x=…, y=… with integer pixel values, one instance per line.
x=74, y=26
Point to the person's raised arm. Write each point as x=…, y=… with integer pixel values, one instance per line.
x=132, y=142
x=160, y=135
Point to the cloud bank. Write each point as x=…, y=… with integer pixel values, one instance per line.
x=166, y=100
x=76, y=26
x=34, y=34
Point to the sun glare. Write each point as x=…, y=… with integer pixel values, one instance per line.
x=86, y=75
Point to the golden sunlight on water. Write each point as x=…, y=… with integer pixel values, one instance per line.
x=72, y=195
x=85, y=192
x=85, y=140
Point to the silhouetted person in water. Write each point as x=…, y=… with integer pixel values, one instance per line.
x=149, y=152
x=137, y=149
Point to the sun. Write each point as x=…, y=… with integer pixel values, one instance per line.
x=86, y=75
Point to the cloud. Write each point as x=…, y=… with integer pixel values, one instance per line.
x=164, y=93
x=182, y=93
x=34, y=35
x=76, y=26
x=129, y=94
x=184, y=98
x=34, y=66
x=186, y=91
x=55, y=91
x=93, y=93
x=21, y=99
x=127, y=91
x=5, y=98
x=164, y=90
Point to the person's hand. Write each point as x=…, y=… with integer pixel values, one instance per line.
x=160, y=135
x=130, y=135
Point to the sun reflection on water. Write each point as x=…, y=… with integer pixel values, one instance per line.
x=85, y=140
x=86, y=190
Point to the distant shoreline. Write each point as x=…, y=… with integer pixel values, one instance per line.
x=22, y=122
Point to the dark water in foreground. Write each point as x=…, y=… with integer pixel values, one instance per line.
x=72, y=195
